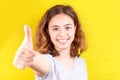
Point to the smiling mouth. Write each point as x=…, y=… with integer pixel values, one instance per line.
x=62, y=41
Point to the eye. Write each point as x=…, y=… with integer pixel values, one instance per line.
x=55, y=29
x=68, y=27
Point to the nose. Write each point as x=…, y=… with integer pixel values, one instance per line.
x=62, y=32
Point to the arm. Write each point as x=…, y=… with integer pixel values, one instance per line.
x=40, y=65
x=26, y=57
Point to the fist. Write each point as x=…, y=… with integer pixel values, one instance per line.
x=25, y=54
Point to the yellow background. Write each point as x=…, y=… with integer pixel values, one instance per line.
x=100, y=20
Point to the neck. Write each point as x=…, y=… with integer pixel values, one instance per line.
x=66, y=59
x=64, y=54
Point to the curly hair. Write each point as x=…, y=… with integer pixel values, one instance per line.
x=43, y=42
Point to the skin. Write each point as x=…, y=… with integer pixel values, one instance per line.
x=61, y=30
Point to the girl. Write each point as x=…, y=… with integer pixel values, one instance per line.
x=56, y=55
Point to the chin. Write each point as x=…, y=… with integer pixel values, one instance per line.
x=62, y=47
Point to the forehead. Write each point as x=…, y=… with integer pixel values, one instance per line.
x=61, y=19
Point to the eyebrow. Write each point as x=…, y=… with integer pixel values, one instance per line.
x=54, y=26
x=59, y=26
x=67, y=24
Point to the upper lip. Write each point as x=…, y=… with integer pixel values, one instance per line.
x=63, y=39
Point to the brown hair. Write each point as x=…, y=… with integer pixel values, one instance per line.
x=43, y=43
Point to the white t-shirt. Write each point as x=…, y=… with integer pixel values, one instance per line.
x=59, y=72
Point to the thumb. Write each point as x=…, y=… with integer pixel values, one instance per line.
x=28, y=37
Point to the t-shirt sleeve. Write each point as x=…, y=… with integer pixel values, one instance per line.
x=50, y=60
x=84, y=67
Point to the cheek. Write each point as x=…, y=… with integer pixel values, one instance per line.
x=52, y=36
x=72, y=33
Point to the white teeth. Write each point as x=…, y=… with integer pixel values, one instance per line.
x=62, y=40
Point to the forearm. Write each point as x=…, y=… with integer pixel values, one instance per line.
x=40, y=65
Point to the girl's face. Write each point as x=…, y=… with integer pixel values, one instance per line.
x=61, y=30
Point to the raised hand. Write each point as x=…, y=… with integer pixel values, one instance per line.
x=25, y=54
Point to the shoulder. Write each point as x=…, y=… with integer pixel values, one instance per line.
x=49, y=58
x=81, y=66
x=47, y=54
x=80, y=61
